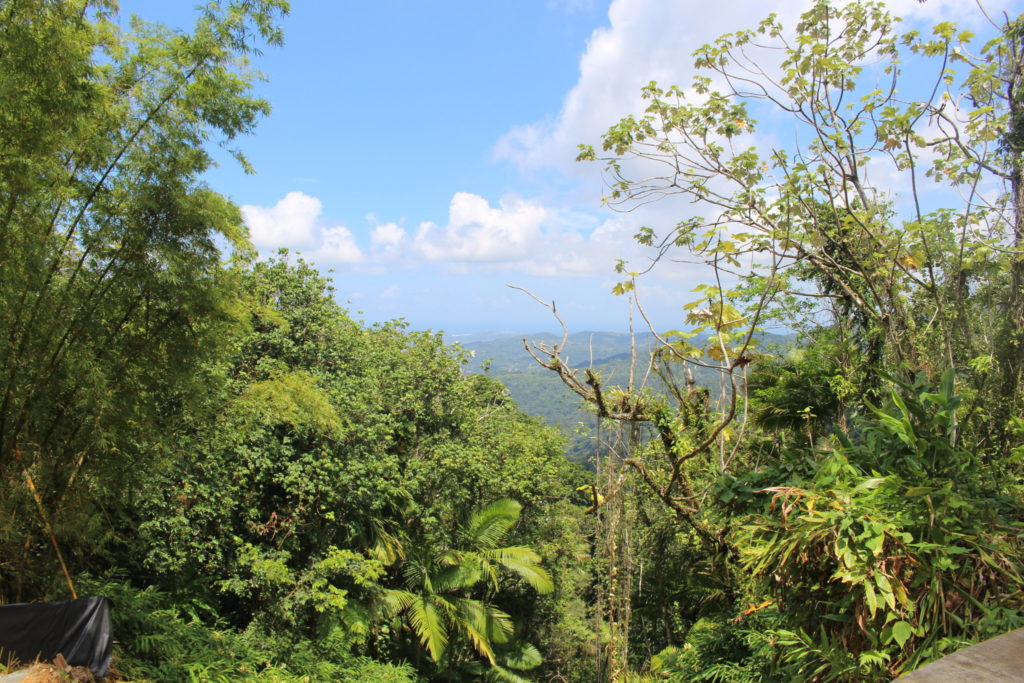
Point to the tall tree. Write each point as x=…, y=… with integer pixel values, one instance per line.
x=113, y=290
x=888, y=236
x=435, y=602
x=336, y=454
x=906, y=282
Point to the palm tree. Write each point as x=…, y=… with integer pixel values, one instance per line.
x=436, y=601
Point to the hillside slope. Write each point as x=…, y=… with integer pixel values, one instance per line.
x=539, y=391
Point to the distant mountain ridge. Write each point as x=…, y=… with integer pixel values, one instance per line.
x=507, y=354
x=540, y=392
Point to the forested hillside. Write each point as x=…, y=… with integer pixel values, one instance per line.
x=540, y=393
x=270, y=490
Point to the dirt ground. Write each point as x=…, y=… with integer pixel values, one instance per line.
x=57, y=672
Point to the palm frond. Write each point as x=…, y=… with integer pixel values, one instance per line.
x=499, y=625
x=488, y=526
x=473, y=619
x=519, y=553
x=397, y=601
x=386, y=547
x=499, y=674
x=457, y=577
x=522, y=656
x=524, y=562
x=415, y=575
x=484, y=625
x=429, y=624
x=437, y=601
x=448, y=558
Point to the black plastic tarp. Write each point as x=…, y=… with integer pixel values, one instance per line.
x=77, y=629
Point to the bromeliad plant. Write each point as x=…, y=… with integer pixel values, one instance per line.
x=438, y=601
x=897, y=550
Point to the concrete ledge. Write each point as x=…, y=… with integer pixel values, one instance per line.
x=997, y=659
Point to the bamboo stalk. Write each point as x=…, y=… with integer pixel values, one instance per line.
x=46, y=523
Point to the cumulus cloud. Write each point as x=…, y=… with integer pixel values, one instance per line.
x=477, y=232
x=645, y=40
x=655, y=40
x=387, y=236
x=289, y=223
x=294, y=223
x=574, y=247
x=526, y=236
x=514, y=235
x=338, y=246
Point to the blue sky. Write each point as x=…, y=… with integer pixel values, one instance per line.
x=424, y=151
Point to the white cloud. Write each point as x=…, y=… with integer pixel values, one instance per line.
x=338, y=246
x=526, y=236
x=387, y=235
x=388, y=240
x=477, y=232
x=575, y=248
x=294, y=222
x=655, y=40
x=522, y=236
x=646, y=40
x=289, y=223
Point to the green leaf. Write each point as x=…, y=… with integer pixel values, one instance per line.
x=901, y=632
x=875, y=544
x=870, y=599
x=522, y=656
x=917, y=491
x=872, y=483
x=525, y=563
x=488, y=526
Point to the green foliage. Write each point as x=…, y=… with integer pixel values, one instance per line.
x=797, y=393
x=222, y=427
x=339, y=468
x=293, y=399
x=716, y=651
x=435, y=604
x=113, y=294
x=880, y=556
x=295, y=486
x=166, y=639
x=891, y=534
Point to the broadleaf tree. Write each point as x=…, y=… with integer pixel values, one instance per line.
x=888, y=238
